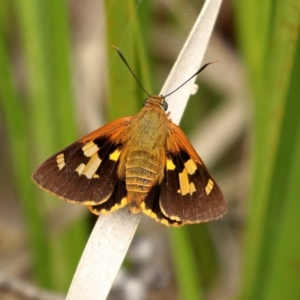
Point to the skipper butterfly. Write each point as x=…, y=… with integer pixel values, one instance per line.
x=143, y=161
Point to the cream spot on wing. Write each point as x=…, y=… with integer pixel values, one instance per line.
x=190, y=166
x=89, y=170
x=170, y=165
x=90, y=148
x=60, y=159
x=115, y=155
x=80, y=169
x=209, y=186
x=92, y=166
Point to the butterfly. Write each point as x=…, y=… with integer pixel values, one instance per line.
x=144, y=161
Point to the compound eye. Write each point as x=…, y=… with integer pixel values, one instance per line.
x=165, y=105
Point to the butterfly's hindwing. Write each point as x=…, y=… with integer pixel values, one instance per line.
x=116, y=201
x=151, y=207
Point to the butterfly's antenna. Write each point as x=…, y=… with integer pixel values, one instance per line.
x=126, y=63
x=201, y=69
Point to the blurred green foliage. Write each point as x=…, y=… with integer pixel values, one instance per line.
x=268, y=34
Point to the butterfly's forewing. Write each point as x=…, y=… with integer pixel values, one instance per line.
x=188, y=192
x=86, y=171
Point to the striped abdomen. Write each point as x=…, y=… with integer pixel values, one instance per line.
x=142, y=172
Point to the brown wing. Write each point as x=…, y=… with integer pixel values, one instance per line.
x=188, y=192
x=86, y=171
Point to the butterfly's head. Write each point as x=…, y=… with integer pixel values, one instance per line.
x=156, y=100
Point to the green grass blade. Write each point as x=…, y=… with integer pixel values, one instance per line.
x=281, y=250
x=15, y=120
x=44, y=122
x=276, y=122
x=189, y=284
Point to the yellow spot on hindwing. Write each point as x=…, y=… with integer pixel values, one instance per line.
x=115, y=155
x=170, y=165
x=60, y=159
x=209, y=186
x=148, y=212
x=89, y=170
x=115, y=207
x=90, y=148
x=153, y=215
x=103, y=211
